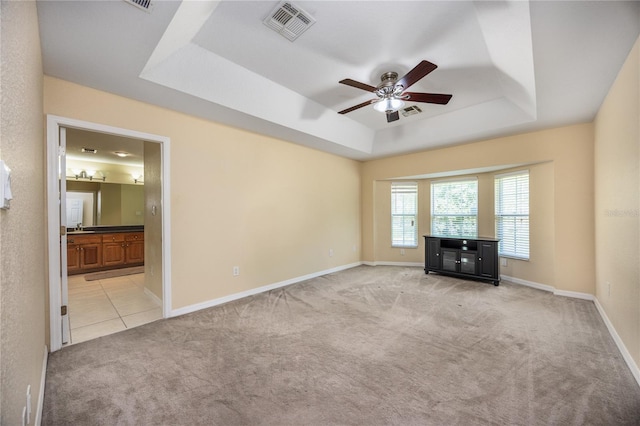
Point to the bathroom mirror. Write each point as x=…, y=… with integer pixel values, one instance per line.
x=104, y=204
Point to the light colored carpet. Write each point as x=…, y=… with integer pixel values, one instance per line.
x=112, y=273
x=367, y=346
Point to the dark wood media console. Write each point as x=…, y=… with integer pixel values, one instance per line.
x=464, y=257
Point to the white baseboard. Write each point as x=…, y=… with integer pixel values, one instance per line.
x=383, y=263
x=574, y=294
x=153, y=296
x=531, y=284
x=43, y=377
x=616, y=338
x=549, y=288
x=586, y=296
x=236, y=296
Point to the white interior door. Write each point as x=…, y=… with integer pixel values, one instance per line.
x=75, y=211
x=62, y=188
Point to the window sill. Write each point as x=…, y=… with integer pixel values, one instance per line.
x=507, y=256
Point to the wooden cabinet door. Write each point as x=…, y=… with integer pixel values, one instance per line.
x=113, y=253
x=91, y=255
x=134, y=252
x=73, y=258
x=113, y=248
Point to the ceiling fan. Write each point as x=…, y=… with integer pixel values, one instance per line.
x=391, y=91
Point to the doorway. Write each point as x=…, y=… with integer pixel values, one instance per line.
x=156, y=277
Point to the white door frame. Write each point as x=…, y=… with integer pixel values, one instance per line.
x=54, y=123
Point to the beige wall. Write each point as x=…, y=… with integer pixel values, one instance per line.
x=153, y=218
x=562, y=223
x=22, y=228
x=132, y=204
x=617, y=204
x=273, y=208
x=110, y=204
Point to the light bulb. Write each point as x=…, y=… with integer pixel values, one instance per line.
x=388, y=104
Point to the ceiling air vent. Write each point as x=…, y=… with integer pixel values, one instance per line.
x=412, y=110
x=289, y=20
x=145, y=5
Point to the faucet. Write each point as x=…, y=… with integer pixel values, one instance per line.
x=79, y=226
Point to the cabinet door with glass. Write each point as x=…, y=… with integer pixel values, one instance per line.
x=459, y=261
x=449, y=259
x=468, y=262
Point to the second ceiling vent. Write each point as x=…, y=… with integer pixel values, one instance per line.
x=289, y=20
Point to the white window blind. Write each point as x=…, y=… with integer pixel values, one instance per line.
x=512, y=214
x=454, y=208
x=404, y=214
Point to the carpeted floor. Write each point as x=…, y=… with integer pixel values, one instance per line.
x=367, y=346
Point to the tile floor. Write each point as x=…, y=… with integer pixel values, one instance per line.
x=98, y=308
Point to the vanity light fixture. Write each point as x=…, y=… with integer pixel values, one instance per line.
x=121, y=154
x=88, y=175
x=137, y=178
x=89, y=150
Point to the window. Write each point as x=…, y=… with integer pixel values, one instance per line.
x=404, y=214
x=512, y=214
x=454, y=208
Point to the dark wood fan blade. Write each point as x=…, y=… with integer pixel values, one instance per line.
x=353, y=108
x=357, y=85
x=420, y=70
x=393, y=116
x=431, y=98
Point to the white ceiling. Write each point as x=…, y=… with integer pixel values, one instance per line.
x=511, y=66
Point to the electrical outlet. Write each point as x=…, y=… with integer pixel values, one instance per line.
x=330, y=252
x=503, y=261
x=401, y=252
x=608, y=289
x=236, y=271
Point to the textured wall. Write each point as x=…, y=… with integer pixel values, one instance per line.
x=22, y=230
x=617, y=203
x=153, y=222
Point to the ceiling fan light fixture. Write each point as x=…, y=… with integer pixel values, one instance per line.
x=388, y=104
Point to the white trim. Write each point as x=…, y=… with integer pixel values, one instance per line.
x=619, y=343
x=532, y=284
x=385, y=263
x=53, y=232
x=153, y=296
x=43, y=376
x=574, y=294
x=53, y=220
x=549, y=288
x=225, y=299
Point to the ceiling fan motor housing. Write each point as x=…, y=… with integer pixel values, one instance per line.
x=387, y=88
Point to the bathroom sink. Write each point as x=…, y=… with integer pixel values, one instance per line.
x=80, y=232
